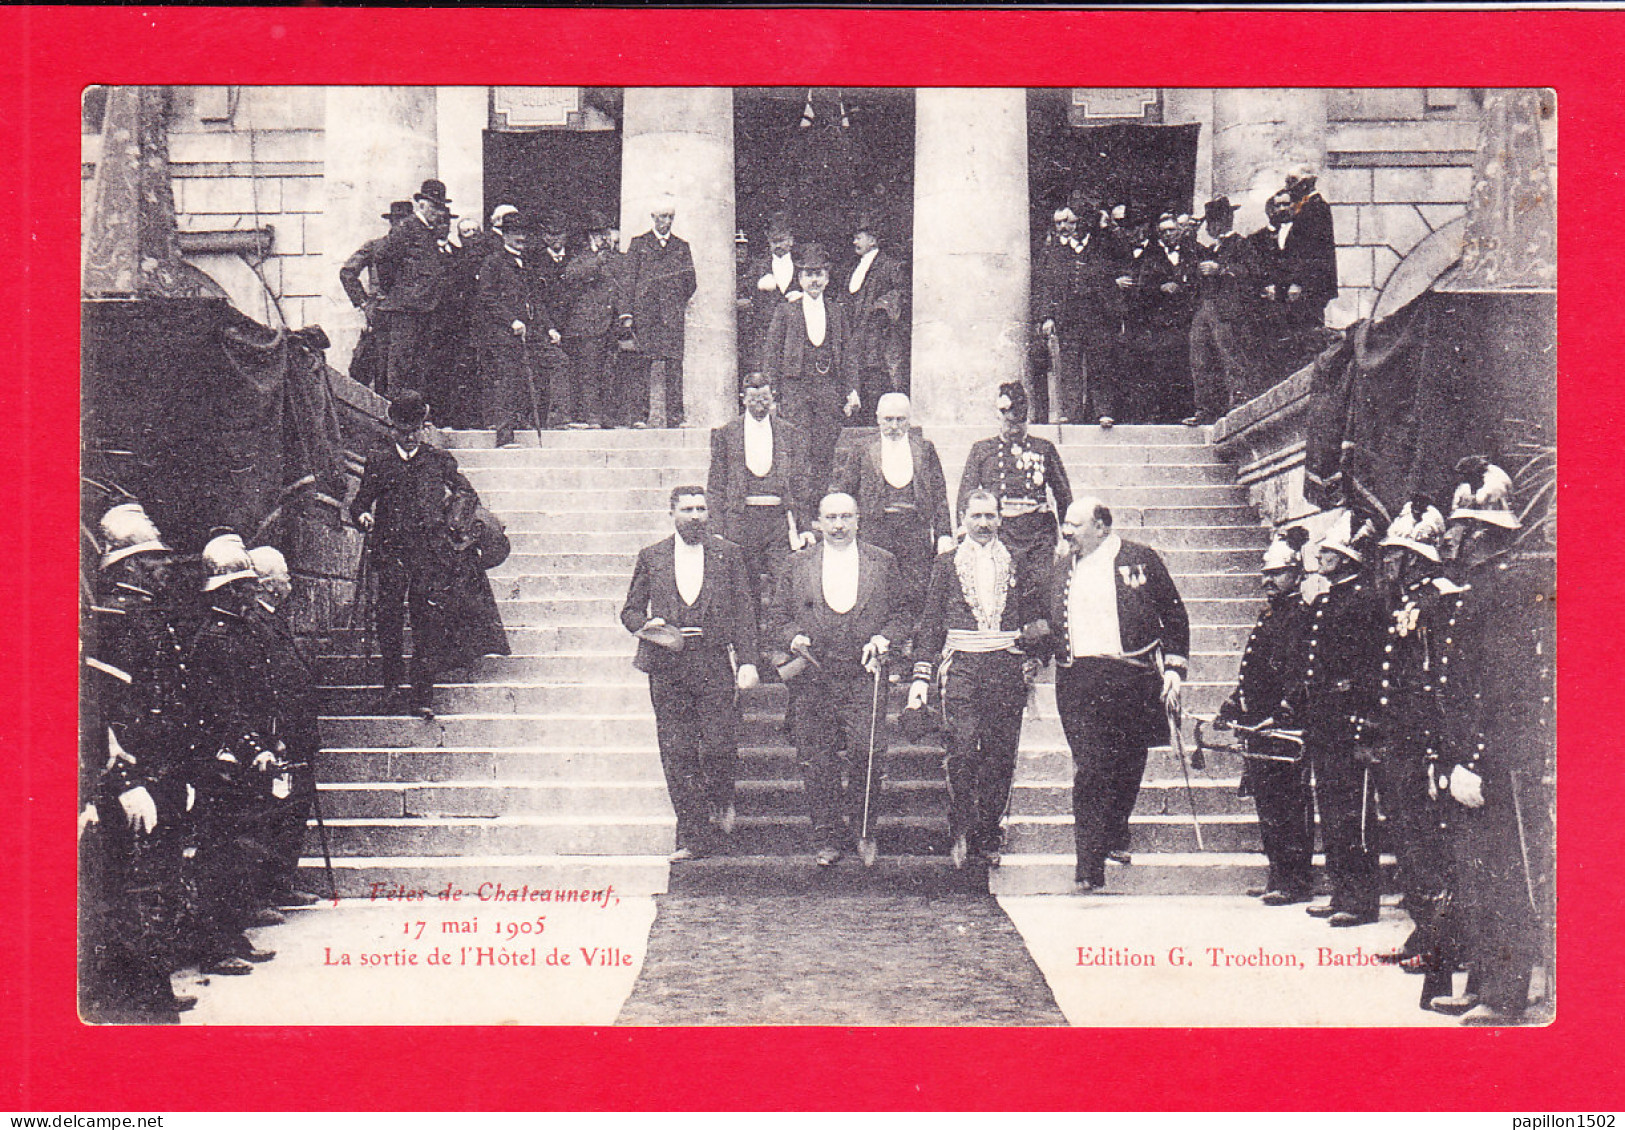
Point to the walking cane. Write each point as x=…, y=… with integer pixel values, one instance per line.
x=321, y=833
x=1365, y=804
x=1523, y=843
x=1190, y=790
x=535, y=400
x=868, y=850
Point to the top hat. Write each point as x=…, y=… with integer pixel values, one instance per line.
x=409, y=408
x=868, y=221
x=1484, y=494
x=551, y=223
x=433, y=191
x=398, y=210
x=741, y=239
x=518, y=223
x=1219, y=205
x=125, y=531
x=778, y=226
x=227, y=560
x=1013, y=398
x=598, y=220
x=812, y=257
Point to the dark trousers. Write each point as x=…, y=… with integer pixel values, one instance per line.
x=136, y=904
x=982, y=701
x=671, y=384
x=235, y=854
x=817, y=410
x=1102, y=706
x=697, y=722
x=831, y=714
x=589, y=357
x=904, y=535
x=1221, y=365
x=1031, y=538
x=405, y=584
x=626, y=388
x=764, y=534
x=1412, y=829
x=516, y=392
x=1340, y=784
x=411, y=340
x=1159, y=381
x=1286, y=822
x=289, y=821
x=1501, y=929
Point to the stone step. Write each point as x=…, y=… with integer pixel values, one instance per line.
x=1170, y=873
x=396, y=800
x=683, y=468
x=798, y=876
x=1149, y=523
x=1079, y=456
x=917, y=787
x=957, y=435
x=480, y=765
x=482, y=443
x=1180, y=562
x=1150, y=835
x=422, y=877
x=638, y=492
x=536, y=835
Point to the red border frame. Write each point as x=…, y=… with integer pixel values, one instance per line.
x=55, y=1063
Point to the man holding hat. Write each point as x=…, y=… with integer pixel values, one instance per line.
x=413, y=266
x=877, y=302
x=1026, y=474
x=660, y=282
x=1276, y=774
x=688, y=604
x=807, y=357
x=1342, y=657
x=369, y=363
x=1226, y=280
x=521, y=337
x=137, y=767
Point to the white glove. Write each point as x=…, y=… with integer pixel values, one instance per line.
x=1171, y=684
x=807, y=539
x=1467, y=787
x=88, y=817
x=518, y=328
x=853, y=402
x=747, y=679
x=873, y=650
x=554, y=336
x=918, y=690
x=767, y=283
x=139, y=808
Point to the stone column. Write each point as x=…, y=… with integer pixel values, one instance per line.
x=461, y=115
x=972, y=256
x=380, y=143
x=1258, y=135
x=678, y=142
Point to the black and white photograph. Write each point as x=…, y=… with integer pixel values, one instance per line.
x=798, y=555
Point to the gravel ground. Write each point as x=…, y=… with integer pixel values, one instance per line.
x=838, y=960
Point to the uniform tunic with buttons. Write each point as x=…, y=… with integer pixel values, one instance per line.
x=1027, y=473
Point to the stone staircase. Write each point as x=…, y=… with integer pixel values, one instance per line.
x=541, y=767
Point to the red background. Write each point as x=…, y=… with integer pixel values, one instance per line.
x=52, y=1062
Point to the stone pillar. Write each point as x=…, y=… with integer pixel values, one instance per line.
x=1257, y=136
x=461, y=115
x=380, y=146
x=678, y=142
x=972, y=255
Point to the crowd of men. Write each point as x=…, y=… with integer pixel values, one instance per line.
x=1403, y=689
x=197, y=762
x=1158, y=322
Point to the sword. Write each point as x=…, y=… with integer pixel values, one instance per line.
x=1190, y=792
x=1365, y=804
x=1523, y=844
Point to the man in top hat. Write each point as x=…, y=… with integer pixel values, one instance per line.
x=834, y=618
x=1157, y=381
x=758, y=486
x=744, y=305
x=773, y=280
x=593, y=302
x=1309, y=251
x=1492, y=768
x=368, y=365
x=1120, y=637
x=1078, y=303
x=807, y=357
x=1221, y=349
x=660, y=282
x=521, y=336
x=1276, y=774
x=902, y=496
x=137, y=768
x=688, y=604
x=1342, y=660
x=413, y=265
x=407, y=489
x=980, y=606
x=1026, y=474
x=877, y=304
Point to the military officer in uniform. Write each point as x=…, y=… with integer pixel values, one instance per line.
x=902, y=497
x=1276, y=774
x=981, y=605
x=1341, y=664
x=1026, y=473
x=688, y=606
x=836, y=609
x=137, y=775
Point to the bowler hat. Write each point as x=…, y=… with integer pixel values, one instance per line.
x=869, y=222
x=409, y=408
x=398, y=210
x=599, y=221
x=1219, y=205
x=778, y=226
x=1013, y=398
x=433, y=191
x=517, y=222
x=812, y=257
x=552, y=223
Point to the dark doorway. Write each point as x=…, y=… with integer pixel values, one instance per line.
x=566, y=171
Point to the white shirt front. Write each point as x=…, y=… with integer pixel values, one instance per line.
x=1091, y=602
x=896, y=461
x=1173, y=255
x=982, y=572
x=407, y=455
x=689, y=561
x=817, y=324
x=862, y=272
x=784, y=272
x=758, y=444
x=841, y=577
x=1281, y=234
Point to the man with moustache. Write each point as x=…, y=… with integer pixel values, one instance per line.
x=688, y=606
x=520, y=334
x=876, y=300
x=806, y=355
x=1026, y=474
x=837, y=614
x=981, y=605
x=660, y=280
x=591, y=302
x=1221, y=345
x=773, y=280
x=413, y=265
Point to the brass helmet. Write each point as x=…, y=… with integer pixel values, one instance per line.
x=226, y=560
x=125, y=531
x=1419, y=527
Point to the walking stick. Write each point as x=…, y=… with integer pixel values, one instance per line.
x=1365, y=804
x=1523, y=844
x=321, y=833
x=1190, y=790
x=535, y=401
x=868, y=850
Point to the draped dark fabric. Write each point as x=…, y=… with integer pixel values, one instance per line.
x=1395, y=404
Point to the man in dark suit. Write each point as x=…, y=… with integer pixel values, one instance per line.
x=687, y=605
x=902, y=496
x=369, y=363
x=592, y=303
x=520, y=335
x=981, y=603
x=413, y=264
x=758, y=484
x=836, y=613
x=876, y=303
x=1159, y=323
x=661, y=280
x=1120, y=636
x=1026, y=473
x=551, y=261
x=1310, y=251
x=1222, y=345
x=806, y=355
x=773, y=280
x=1078, y=304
